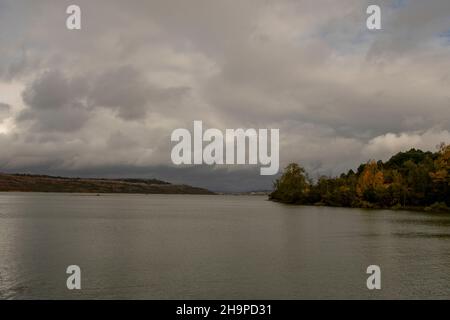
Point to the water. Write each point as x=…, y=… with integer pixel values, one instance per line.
x=215, y=247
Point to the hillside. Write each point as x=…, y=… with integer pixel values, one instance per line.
x=42, y=183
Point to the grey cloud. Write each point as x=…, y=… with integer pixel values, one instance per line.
x=55, y=103
x=128, y=92
x=50, y=91
x=411, y=26
x=123, y=89
x=70, y=118
x=4, y=109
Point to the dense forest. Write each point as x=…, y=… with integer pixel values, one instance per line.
x=412, y=179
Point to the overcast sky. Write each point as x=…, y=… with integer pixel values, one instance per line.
x=104, y=100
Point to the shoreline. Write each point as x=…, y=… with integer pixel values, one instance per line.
x=401, y=208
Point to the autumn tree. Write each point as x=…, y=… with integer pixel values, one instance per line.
x=292, y=186
x=441, y=173
x=370, y=182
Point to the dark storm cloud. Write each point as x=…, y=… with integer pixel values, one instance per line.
x=123, y=89
x=106, y=99
x=128, y=92
x=55, y=103
x=52, y=90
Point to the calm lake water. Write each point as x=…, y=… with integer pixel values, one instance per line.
x=215, y=247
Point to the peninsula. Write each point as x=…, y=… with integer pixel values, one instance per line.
x=44, y=183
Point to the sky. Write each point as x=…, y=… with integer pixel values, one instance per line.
x=103, y=101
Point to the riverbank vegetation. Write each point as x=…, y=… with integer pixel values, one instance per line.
x=412, y=180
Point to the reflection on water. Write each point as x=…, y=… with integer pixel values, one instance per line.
x=177, y=246
x=422, y=235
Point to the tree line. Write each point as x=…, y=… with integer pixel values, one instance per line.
x=412, y=179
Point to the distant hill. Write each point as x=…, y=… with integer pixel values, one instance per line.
x=43, y=183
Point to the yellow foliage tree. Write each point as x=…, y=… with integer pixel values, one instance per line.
x=442, y=166
x=370, y=178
